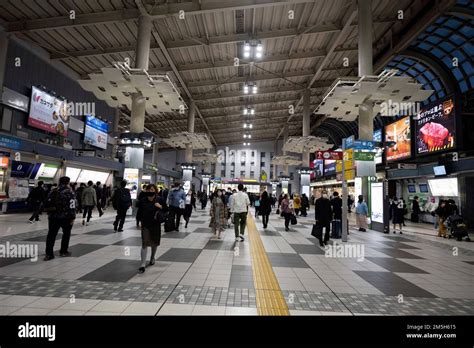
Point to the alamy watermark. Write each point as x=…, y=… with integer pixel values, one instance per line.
x=352, y=251
x=79, y=109
x=392, y=108
x=23, y=251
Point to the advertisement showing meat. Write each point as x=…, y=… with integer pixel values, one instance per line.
x=436, y=127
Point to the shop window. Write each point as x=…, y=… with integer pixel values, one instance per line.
x=242, y=173
x=262, y=164
x=262, y=154
x=252, y=174
x=223, y=172
x=253, y=154
x=252, y=163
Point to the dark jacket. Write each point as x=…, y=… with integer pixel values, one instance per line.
x=98, y=193
x=122, y=199
x=148, y=214
x=416, y=207
x=36, y=196
x=336, y=204
x=304, y=202
x=323, y=211
x=265, y=206
x=66, y=203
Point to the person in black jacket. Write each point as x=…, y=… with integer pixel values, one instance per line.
x=140, y=198
x=415, y=210
x=98, y=192
x=323, y=215
x=265, y=208
x=150, y=206
x=304, y=205
x=336, y=205
x=121, y=201
x=36, y=199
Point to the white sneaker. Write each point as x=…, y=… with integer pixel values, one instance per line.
x=237, y=239
x=31, y=221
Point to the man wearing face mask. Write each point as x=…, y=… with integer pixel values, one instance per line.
x=323, y=215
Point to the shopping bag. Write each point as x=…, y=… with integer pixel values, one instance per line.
x=293, y=219
x=317, y=231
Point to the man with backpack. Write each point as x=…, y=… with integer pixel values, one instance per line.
x=36, y=200
x=121, y=201
x=176, y=202
x=61, y=208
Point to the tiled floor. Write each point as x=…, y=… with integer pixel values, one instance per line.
x=197, y=274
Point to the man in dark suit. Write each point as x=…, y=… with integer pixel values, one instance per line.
x=323, y=215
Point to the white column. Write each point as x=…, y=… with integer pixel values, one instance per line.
x=191, y=119
x=306, y=122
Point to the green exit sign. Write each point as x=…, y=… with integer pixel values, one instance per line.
x=364, y=156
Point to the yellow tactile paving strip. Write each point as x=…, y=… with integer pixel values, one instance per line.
x=270, y=299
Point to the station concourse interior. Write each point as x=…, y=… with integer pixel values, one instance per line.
x=358, y=98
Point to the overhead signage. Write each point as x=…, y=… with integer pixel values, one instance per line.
x=348, y=142
x=364, y=145
x=21, y=169
x=364, y=156
x=85, y=153
x=400, y=133
x=407, y=166
x=378, y=138
x=9, y=142
x=48, y=112
x=329, y=155
x=436, y=127
x=96, y=132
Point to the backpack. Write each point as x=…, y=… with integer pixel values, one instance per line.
x=53, y=202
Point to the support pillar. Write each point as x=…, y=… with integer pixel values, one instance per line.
x=306, y=122
x=3, y=58
x=275, y=152
x=366, y=114
x=285, y=139
x=135, y=155
x=304, y=177
x=191, y=118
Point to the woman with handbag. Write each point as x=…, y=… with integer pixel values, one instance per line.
x=151, y=227
x=218, y=215
x=361, y=214
x=286, y=211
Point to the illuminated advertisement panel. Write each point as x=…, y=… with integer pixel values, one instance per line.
x=400, y=133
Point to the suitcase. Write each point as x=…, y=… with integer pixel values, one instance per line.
x=336, y=229
x=170, y=224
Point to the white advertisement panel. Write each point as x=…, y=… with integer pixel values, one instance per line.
x=48, y=113
x=96, y=132
x=131, y=176
x=376, y=202
x=444, y=187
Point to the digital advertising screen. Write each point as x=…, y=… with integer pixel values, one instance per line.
x=318, y=166
x=376, y=200
x=48, y=113
x=329, y=167
x=95, y=133
x=400, y=133
x=439, y=170
x=435, y=127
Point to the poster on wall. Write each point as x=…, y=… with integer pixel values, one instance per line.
x=48, y=113
x=436, y=127
x=43, y=171
x=318, y=166
x=96, y=132
x=400, y=133
x=376, y=202
x=18, y=188
x=131, y=176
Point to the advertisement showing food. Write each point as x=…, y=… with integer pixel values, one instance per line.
x=48, y=113
x=399, y=132
x=436, y=128
x=96, y=132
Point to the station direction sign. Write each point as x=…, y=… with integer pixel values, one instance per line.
x=329, y=155
x=364, y=156
x=351, y=143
